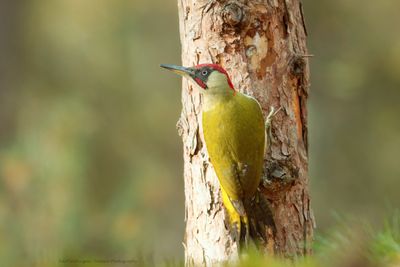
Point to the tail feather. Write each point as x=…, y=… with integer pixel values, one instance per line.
x=250, y=220
x=238, y=220
x=262, y=225
x=239, y=227
x=244, y=232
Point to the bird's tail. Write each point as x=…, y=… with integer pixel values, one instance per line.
x=238, y=220
x=250, y=220
x=261, y=222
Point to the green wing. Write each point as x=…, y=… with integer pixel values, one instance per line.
x=235, y=138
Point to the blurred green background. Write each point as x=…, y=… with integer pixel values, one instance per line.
x=90, y=160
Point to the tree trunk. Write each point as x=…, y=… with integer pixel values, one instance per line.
x=262, y=45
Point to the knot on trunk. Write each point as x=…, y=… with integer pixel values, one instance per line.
x=232, y=14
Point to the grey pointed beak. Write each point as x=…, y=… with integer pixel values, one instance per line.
x=178, y=69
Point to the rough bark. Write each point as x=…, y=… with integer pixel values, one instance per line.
x=262, y=45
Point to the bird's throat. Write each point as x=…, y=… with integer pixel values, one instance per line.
x=212, y=101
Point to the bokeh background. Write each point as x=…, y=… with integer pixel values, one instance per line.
x=90, y=160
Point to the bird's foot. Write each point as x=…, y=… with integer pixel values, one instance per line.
x=268, y=123
x=270, y=116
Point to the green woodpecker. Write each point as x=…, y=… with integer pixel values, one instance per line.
x=234, y=133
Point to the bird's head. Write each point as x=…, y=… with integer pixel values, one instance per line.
x=212, y=78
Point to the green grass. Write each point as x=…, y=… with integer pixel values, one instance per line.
x=385, y=246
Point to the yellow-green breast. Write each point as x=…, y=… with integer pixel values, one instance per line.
x=234, y=133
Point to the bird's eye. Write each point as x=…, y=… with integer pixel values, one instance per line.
x=204, y=72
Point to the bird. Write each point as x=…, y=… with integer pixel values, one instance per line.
x=234, y=132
